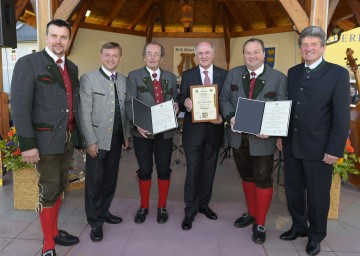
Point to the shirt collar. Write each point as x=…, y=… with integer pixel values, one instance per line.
x=54, y=57
x=152, y=71
x=258, y=71
x=315, y=64
x=107, y=72
x=210, y=69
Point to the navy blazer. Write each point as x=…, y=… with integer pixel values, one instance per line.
x=319, y=121
x=193, y=133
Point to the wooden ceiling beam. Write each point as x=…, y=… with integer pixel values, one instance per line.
x=319, y=14
x=296, y=13
x=234, y=12
x=188, y=35
x=214, y=15
x=355, y=6
x=226, y=38
x=150, y=26
x=20, y=8
x=115, y=11
x=67, y=9
x=268, y=22
x=332, y=6
x=140, y=14
x=162, y=15
x=112, y=29
x=79, y=18
x=263, y=31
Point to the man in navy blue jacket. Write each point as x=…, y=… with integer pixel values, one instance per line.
x=319, y=127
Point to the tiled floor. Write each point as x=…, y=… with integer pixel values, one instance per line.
x=20, y=232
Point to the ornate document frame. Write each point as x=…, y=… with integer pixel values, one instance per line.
x=205, y=106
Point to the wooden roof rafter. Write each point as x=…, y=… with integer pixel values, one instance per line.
x=355, y=6
x=115, y=11
x=67, y=9
x=226, y=36
x=214, y=16
x=150, y=26
x=20, y=8
x=79, y=18
x=297, y=14
x=264, y=17
x=162, y=15
x=231, y=7
x=140, y=14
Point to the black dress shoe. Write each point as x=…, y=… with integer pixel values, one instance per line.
x=259, y=234
x=208, y=213
x=312, y=248
x=162, y=215
x=140, y=215
x=65, y=239
x=245, y=220
x=291, y=235
x=96, y=234
x=50, y=252
x=187, y=223
x=112, y=219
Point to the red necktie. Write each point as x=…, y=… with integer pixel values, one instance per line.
x=157, y=90
x=207, y=78
x=58, y=63
x=252, y=84
x=69, y=94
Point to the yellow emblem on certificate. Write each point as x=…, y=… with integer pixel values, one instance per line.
x=204, y=103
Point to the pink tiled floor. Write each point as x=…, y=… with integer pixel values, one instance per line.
x=20, y=232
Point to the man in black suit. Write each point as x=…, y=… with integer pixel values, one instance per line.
x=318, y=129
x=201, y=141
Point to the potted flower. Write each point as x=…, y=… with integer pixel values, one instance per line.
x=24, y=175
x=342, y=168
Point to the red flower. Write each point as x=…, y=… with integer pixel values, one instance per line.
x=349, y=149
x=17, y=152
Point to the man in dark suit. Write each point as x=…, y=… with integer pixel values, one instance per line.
x=319, y=127
x=44, y=101
x=253, y=154
x=201, y=141
x=152, y=85
x=103, y=122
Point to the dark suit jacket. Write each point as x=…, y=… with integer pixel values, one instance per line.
x=319, y=121
x=39, y=103
x=193, y=133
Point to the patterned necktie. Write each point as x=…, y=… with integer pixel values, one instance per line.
x=113, y=78
x=207, y=78
x=252, y=84
x=157, y=90
x=59, y=62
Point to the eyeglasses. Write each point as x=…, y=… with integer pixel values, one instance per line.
x=153, y=54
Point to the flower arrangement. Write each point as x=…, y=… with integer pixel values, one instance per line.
x=12, y=158
x=346, y=164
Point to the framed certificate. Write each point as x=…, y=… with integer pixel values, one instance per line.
x=205, y=106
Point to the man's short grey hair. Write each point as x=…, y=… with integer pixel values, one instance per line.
x=212, y=46
x=313, y=31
